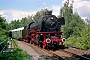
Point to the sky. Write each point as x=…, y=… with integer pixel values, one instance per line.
x=18, y=9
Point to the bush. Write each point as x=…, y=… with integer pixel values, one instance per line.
x=78, y=43
x=17, y=54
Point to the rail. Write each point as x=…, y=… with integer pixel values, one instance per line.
x=3, y=45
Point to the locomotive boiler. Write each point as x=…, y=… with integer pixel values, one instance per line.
x=48, y=23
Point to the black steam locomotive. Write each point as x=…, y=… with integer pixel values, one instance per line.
x=46, y=31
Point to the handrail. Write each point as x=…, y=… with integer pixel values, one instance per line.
x=3, y=48
x=4, y=45
x=3, y=42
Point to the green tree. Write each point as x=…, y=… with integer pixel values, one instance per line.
x=75, y=30
x=73, y=22
x=3, y=28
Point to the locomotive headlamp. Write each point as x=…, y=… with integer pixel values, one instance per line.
x=48, y=40
x=63, y=39
x=41, y=34
x=51, y=18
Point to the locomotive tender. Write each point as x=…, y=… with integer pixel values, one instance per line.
x=45, y=32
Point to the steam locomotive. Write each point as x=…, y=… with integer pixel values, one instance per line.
x=44, y=32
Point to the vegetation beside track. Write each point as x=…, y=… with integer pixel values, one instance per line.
x=3, y=28
x=17, y=54
x=76, y=31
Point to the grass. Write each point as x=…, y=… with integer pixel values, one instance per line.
x=17, y=54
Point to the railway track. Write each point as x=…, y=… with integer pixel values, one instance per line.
x=69, y=56
x=59, y=54
x=49, y=53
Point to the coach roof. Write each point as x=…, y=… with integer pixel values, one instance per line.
x=17, y=29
